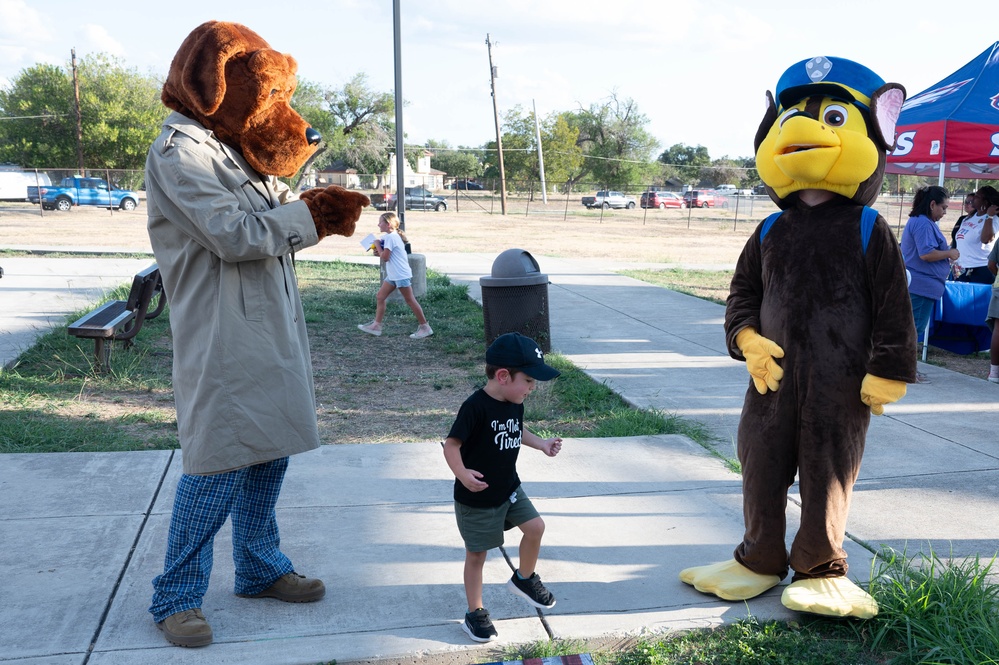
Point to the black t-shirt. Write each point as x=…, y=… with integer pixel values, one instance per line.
x=490, y=432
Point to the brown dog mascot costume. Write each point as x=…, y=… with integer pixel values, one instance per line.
x=224, y=231
x=820, y=312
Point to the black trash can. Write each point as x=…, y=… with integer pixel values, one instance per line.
x=515, y=299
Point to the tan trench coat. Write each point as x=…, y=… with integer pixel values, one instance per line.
x=224, y=238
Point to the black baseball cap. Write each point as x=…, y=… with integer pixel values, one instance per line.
x=515, y=351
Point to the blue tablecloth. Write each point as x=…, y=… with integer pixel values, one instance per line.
x=959, y=318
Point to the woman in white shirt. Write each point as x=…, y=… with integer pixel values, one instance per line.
x=976, y=237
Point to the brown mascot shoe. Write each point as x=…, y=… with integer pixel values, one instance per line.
x=187, y=629
x=292, y=588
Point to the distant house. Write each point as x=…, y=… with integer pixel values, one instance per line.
x=339, y=174
x=423, y=175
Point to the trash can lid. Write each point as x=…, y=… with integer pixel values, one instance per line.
x=514, y=267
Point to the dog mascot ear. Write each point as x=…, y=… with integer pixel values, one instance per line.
x=819, y=311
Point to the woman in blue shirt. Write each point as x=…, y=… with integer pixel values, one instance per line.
x=927, y=254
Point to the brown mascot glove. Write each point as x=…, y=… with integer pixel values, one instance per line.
x=334, y=210
x=875, y=392
x=760, y=354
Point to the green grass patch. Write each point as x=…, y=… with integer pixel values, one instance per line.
x=935, y=610
x=574, y=405
x=710, y=285
x=544, y=649
x=751, y=642
x=53, y=400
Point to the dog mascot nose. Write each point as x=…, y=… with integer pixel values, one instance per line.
x=312, y=136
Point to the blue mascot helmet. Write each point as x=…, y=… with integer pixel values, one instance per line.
x=828, y=77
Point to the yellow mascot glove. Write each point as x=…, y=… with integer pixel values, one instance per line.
x=875, y=392
x=759, y=353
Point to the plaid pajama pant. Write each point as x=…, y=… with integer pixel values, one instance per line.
x=200, y=508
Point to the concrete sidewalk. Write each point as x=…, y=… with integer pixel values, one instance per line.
x=375, y=522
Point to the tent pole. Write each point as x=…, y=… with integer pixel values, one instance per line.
x=941, y=178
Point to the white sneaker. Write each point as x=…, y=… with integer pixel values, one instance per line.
x=423, y=331
x=993, y=379
x=371, y=328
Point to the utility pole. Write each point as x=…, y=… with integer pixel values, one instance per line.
x=400, y=148
x=499, y=137
x=79, y=118
x=541, y=154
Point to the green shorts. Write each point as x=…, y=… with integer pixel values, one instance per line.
x=482, y=528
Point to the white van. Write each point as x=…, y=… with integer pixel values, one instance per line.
x=14, y=184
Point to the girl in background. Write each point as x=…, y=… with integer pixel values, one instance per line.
x=391, y=249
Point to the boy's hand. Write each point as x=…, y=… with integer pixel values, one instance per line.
x=472, y=480
x=551, y=447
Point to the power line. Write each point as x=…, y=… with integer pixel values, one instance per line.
x=32, y=117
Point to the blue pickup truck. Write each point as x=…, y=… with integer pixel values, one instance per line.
x=82, y=192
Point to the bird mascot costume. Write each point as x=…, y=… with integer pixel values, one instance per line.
x=819, y=311
x=225, y=230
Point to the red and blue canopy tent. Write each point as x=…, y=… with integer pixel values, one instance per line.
x=951, y=129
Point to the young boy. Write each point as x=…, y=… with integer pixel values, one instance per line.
x=481, y=450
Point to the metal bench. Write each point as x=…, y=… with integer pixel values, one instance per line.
x=121, y=319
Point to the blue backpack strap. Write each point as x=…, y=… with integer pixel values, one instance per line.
x=767, y=223
x=867, y=219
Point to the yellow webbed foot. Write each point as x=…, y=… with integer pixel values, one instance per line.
x=729, y=580
x=829, y=596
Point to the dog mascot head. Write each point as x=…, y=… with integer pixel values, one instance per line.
x=830, y=128
x=230, y=80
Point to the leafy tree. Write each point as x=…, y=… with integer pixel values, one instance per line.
x=520, y=151
x=559, y=144
x=562, y=153
x=617, y=146
x=122, y=113
x=41, y=128
x=458, y=162
x=750, y=176
x=357, y=124
x=686, y=161
x=720, y=171
x=120, y=109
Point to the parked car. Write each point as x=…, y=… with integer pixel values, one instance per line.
x=606, y=199
x=702, y=198
x=662, y=200
x=417, y=198
x=466, y=184
x=77, y=191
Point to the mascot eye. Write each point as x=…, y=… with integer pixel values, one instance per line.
x=790, y=113
x=274, y=91
x=835, y=115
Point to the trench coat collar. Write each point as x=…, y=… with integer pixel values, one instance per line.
x=198, y=132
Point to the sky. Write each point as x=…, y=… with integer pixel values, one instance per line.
x=697, y=69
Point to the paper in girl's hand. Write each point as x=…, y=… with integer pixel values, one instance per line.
x=368, y=241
